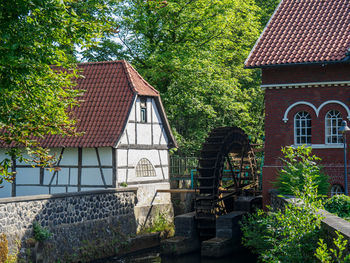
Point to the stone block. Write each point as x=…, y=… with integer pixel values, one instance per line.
x=248, y=203
x=179, y=245
x=227, y=226
x=216, y=247
x=185, y=225
x=142, y=242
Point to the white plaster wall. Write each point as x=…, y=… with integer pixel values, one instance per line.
x=128, y=136
x=65, y=176
x=69, y=157
x=156, y=157
x=147, y=194
x=141, y=133
x=144, y=133
x=31, y=190
x=6, y=189
x=128, y=159
x=158, y=126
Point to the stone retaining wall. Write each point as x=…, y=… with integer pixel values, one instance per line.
x=83, y=225
x=330, y=222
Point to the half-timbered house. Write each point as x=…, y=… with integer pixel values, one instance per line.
x=304, y=56
x=125, y=141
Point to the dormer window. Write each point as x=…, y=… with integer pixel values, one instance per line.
x=143, y=109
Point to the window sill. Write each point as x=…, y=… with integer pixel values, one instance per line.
x=322, y=146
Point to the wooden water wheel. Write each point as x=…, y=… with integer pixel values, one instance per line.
x=227, y=168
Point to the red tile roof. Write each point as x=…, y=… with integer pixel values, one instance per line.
x=110, y=91
x=304, y=31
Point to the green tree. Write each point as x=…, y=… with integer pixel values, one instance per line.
x=35, y=97
x=193, y=52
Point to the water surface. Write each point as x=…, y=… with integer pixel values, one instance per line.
x=153, y=256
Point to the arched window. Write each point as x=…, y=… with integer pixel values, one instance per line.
x=337, y=190
x=332, y=124
x=302, y=128
x=144, y=168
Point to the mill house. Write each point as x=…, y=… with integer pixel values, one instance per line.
x=125, y=141
x=304, y=55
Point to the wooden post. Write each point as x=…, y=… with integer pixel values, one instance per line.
x=80, y=162
x=114, y=167
x=41, y=175
x=100, y=166
x=13, y=170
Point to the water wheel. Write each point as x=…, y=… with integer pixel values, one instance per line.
x=227, y=168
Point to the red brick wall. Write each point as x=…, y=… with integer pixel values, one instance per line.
x=311, y=73
x=279, y=134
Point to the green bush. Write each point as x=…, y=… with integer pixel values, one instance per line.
x=339, y=205
x=159, y=224
x=333, y=255
x=41, y=234
x=291, y=234
x=299, y=164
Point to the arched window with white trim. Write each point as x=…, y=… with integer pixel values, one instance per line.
x=302, y=128
x=333, y=122
x=144, y=168
x=337, y=189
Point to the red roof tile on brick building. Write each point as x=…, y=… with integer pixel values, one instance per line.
x=304, y=31
x=110, y=90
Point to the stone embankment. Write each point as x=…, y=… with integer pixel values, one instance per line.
x=84, y=226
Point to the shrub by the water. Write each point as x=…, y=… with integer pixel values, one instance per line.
x=339, y=205
x=299, y=163
x=290, y=234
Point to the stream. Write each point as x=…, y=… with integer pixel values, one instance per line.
x=153, y=256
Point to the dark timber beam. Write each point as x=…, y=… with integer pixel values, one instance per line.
x=100, y=166
x=80, y=162
x=13, y=170
x=143, y=147
x=114, y=167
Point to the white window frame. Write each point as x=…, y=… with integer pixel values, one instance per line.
x=330, y=127
x=302, y=117
x=145, y=168
x=337, y=189
x=143, y=110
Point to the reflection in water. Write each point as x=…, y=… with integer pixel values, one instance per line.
x=242, y=256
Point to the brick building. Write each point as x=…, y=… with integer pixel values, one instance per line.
x=304, y=55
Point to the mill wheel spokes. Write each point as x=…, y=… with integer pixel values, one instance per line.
x=226, y=168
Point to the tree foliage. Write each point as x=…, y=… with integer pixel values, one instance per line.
x=193, y=52
x=35, y=97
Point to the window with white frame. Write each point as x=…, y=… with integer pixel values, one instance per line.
x=143, y=109
x=144, y=168
x=337, y=189
x=302, y=128
x=333, y=122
